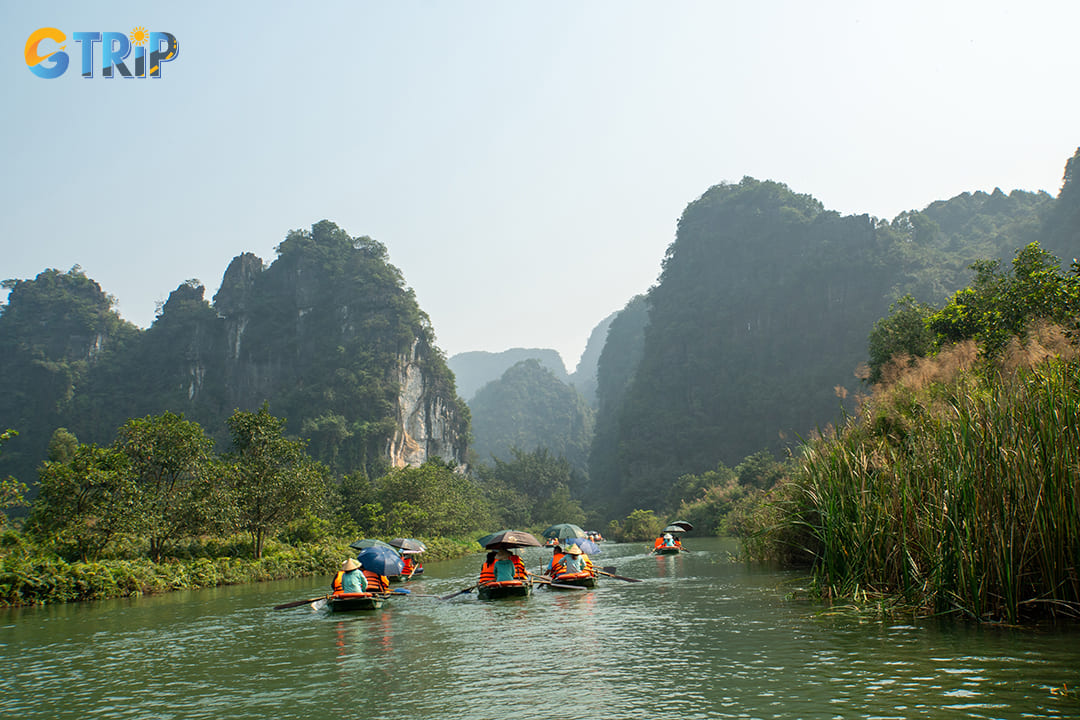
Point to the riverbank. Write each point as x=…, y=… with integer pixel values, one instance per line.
x=30, y=578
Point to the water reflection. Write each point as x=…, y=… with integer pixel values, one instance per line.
x=699, y=637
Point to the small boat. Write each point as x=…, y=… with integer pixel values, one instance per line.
x=504, y=589
x=348, y=602
x=583, y=579
x=672, y=550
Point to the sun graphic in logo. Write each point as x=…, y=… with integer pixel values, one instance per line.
x=139, y=36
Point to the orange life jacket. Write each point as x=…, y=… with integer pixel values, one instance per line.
x=335, y=586
x=520, y=572
x=487, y=573
x=376, y=582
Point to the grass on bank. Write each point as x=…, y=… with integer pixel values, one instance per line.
x=956, y=489
x=29, y=576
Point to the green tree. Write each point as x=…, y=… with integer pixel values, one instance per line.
x=85, y=502
x=271, y=480
x=903, y=333
x=12, y=492
x=430, y=500
x=168, y=459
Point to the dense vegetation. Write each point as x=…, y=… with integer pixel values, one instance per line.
x=956, y=485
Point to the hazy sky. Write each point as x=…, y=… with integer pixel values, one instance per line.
x=525, y=163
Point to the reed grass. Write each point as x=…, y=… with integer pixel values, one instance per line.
x=960, y=494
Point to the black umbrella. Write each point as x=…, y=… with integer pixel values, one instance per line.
x=382, y=560
x=408, y=545
x=563, y=531
x=680, y=526
x=506, y=539
x=369, y=542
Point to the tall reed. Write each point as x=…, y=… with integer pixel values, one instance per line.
x=960, y=495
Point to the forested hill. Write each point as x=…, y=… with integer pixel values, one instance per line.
x=761, y=317
x=527, y=409
x=328, y=334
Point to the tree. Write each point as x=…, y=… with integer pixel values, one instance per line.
x=433, y=499
x=168, y=458
x=85, y=502
x=903, y=333
x=12, y=492
x=271, y=480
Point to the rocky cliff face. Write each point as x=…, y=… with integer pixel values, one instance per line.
x=330, y=337
x=428, y=424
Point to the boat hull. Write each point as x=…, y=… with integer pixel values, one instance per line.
x=351, y=602
x=667, y=551
x=582, y=579
x=504, y=589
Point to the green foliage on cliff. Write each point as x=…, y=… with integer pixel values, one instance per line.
x=323, y=334
x=758, y=326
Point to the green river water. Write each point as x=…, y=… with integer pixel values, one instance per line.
x=700, y=637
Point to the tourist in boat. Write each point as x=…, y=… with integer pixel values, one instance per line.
x=569, y=563
x=410, y=565
x=556, y=556
x=502, y=565
x=665, y=541
x=375, y=582
x=350, y=578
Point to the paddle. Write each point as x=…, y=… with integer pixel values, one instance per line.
x=459, y=592
x=298, y=603
x=548, y=581
x=617, y=577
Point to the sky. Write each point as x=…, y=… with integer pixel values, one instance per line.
x=525, y=163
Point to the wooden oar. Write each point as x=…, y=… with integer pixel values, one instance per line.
x=459, y=592
x=548, y=581
x=298, y=603
x=617, y=577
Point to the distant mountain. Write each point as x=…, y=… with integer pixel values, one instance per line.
x=584, y=376
x=472, y=370
x=530, y=408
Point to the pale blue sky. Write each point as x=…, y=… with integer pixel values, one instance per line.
x=525, y=163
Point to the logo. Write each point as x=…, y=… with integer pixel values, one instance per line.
x=46, y=58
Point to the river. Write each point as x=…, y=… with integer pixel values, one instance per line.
x=700, y=637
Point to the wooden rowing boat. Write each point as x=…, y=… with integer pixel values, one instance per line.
x=583, y=579
x=349, y=602
x=662, y=550
x=504, y=589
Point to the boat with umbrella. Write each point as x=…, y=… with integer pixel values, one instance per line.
x=556, y=534
x=409, y=549
x=669, y=542
x=500, y=589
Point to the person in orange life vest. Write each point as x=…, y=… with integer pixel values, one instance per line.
x=349, y=579
x=570, y=563
x=487, y=570
x=664, y=541
x=556, y=557
x=375, y=582
x=410, y=564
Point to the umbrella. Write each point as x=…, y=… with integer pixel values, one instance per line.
x=563, y=531
x=587, y=546
x=369, y=542
x=408, y=545
x=381, y=560
x=674, y=529
x=506, y=539
x=679, y=526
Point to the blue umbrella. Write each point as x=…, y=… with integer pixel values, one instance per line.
x=381, y=560
x=587, y=546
